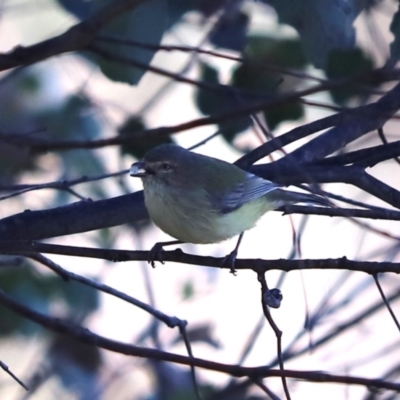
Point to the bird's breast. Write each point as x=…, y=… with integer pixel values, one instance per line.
x=190, y=217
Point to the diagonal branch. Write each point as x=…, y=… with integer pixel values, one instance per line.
x=374, y=116
x=368, y=157
x=76, y=38
x=85, y=336
x=147, y=135
x=375, y=187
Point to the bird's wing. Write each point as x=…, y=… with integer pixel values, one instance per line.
x=253, y=188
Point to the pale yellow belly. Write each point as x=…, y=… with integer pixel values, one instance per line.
x=194, y=221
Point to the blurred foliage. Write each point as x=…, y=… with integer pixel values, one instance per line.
x=130, y=128
x=73, y=362
x=323, y=26
x=40, y=291
x=81, y=9
x=218, y=101
x=77, y=365
x=231, y=33
x=32, y=104
x=332, y=28
x=252, y=81
x=188, y=290
x=348, y=64
x=255, y=76
x=75, y=119
x=14, y=160
x=17, y=117
x=146, y=24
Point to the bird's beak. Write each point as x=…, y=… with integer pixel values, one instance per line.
x=138, y=170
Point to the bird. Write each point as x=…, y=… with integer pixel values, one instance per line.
x=199, y=199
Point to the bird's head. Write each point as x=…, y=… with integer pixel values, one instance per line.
x=166, y=164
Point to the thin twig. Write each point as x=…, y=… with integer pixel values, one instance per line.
x=385, y=300
x=382, y=136
x=86, y=336
x=265, y=389
x=182, y=331
x=171, y=322
x=278, y=332
x=341, y=328
x=60, y=185
x=5, y=368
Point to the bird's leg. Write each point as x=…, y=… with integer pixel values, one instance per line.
x=230, y=259
x=157, y=249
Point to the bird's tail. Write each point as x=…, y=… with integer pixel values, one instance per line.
x=284, y=197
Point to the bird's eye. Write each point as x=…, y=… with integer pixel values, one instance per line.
x=165, y=167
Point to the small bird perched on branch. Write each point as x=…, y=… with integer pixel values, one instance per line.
x=200, y=199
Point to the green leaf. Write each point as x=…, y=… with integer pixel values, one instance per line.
x=38, y=291
x=23, y=285
x=74, y=120
x=188, y=290
x=231, y=33
x=278, y=51
x=222, y=99
x=177, y=8
x=252, y=75
x=322, y=25
x=130, y=128
x=208, y=101
x=80, y=8
x=146, y=24
x=285, y=112
x=347, y=64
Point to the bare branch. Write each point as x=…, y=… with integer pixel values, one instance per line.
x=178, y=256
x=5, y=368
x=84, y=335
x=385, y=300
x=43, y=145
x=277, y=331
x=171, y=322
x=375, y=116
x=76, y=38
x=78, y=217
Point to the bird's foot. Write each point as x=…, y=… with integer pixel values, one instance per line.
x=229, y=262
x=155, y=254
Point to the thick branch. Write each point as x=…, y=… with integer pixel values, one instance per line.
x=352, y=174
x=87, y=216
x=78, y=217
x=76, y=38
x=374, y=116
x=295, y=134
x=366, y=157
x=375, y=187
